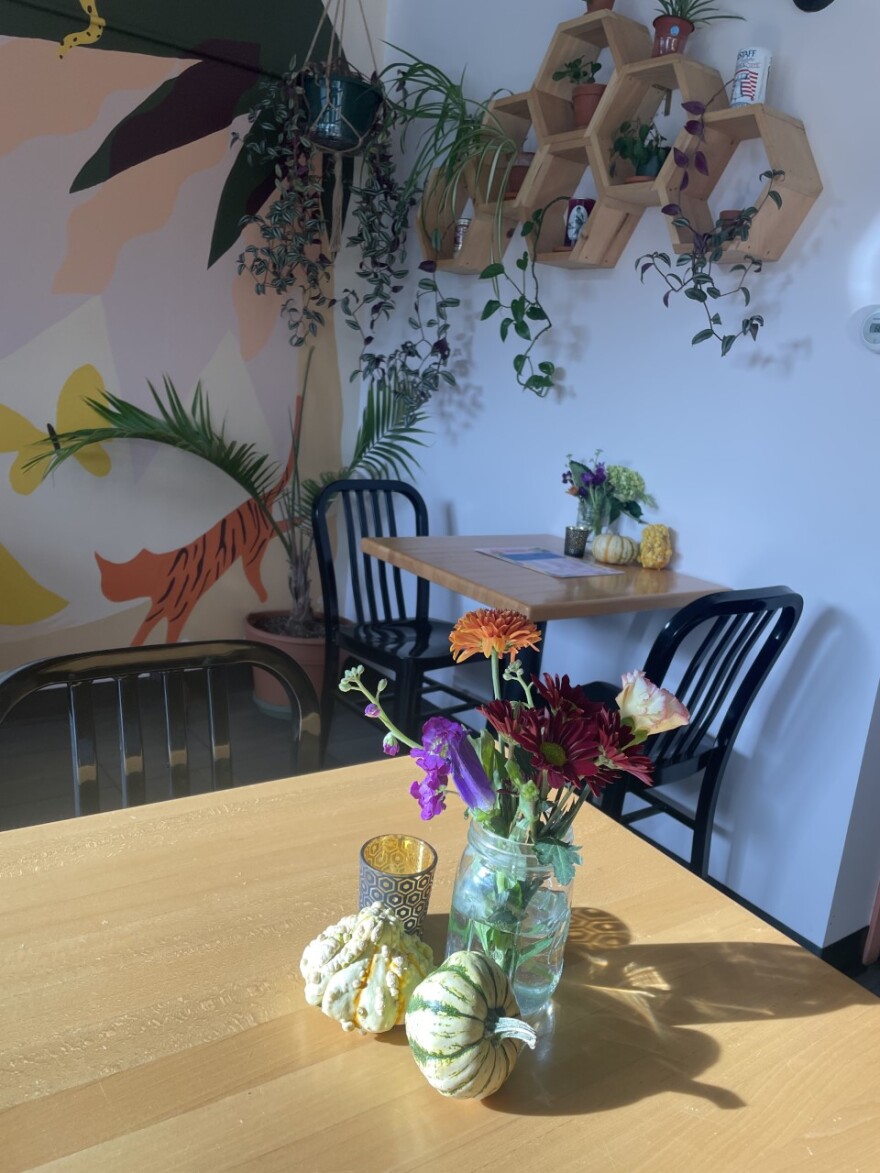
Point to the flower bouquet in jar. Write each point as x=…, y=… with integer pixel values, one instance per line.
x=523, y=780
x=605, y=492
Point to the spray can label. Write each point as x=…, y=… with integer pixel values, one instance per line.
x=750, y=76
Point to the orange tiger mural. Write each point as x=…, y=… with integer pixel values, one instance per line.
x=175, y=581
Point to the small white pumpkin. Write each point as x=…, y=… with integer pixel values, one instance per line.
x=614, y=549
x=463, y=1028
x=363, y=970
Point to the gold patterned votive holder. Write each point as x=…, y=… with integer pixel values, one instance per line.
x=576, y=540
x=399, y=871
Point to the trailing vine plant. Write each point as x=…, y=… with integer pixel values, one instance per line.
x=694, y=272
x=523, y=312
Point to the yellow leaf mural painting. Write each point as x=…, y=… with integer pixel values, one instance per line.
x=22, y=599
x=19, y=435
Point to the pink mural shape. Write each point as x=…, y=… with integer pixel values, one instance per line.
x=139, y=201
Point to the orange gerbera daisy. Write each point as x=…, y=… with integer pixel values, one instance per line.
x=489, y=630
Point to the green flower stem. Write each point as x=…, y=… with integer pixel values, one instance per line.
x=496, y=675
x=353, y=680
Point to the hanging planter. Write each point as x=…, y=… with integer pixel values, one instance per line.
x=342, y=109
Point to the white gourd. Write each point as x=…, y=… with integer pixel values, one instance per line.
x=363, y=970
x=463, y=1028
x=614, y=549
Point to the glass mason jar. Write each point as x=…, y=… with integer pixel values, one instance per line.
x=512, y=908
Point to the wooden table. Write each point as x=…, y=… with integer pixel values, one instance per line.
x=153, y=1016
x=454, y=562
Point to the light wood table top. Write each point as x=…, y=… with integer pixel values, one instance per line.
x=454, y=562
x=154, y=1020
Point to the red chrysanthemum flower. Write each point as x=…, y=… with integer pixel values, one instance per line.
x=560, y=695
x=563, y=747
x=502, y=716
x=489, y=630
x=618, y=756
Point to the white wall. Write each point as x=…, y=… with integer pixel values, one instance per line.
x=764, y=462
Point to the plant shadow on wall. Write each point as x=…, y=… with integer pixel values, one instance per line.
x=629, y=1007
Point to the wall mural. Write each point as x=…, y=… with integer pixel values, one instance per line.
x=202, y=66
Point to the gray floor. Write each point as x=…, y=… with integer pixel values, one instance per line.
x=35, y=769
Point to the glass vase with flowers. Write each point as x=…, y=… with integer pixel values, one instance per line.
x=523, y=780
x=605, y=492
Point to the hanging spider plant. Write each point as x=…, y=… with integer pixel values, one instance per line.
x=389, y=432
x=463, y=149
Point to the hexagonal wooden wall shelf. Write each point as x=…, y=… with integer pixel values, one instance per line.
x=788, y=150
x=636, y=89
x=586, y=36
x=636, y=92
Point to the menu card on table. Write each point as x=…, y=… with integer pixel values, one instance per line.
x=545, y=561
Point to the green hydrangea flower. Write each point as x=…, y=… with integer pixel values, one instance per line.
x=629, y=485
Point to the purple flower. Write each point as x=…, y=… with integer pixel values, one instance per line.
x=468, y=774
x=390, y=745
x=432, y=800
x=446, y=749
x=596, y=476
x=371, y=710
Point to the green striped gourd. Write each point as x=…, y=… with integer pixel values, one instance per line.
x=463, y=1028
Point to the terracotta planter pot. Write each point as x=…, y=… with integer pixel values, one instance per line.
x=670, y=35
x=584, y=100
x=269, y=694
x=599, y=5
x=518, y=173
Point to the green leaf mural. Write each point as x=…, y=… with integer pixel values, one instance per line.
x=234, y=43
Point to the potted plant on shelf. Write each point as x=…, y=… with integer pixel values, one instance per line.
x=586, y=93
x=642, y=146
x=694, y=272
x=677, y=21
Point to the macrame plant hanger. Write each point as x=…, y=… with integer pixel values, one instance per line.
x=330, y=86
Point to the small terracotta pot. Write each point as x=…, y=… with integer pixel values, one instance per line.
x=730, y=215
x=599, y=5
x=670, y=35
x=584, y=100
x=518, y=173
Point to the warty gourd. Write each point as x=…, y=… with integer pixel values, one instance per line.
x=463, y=1028
x=363, y=970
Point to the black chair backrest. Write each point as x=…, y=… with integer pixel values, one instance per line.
x=369, y=508
x=170, y=664
x=738, y=636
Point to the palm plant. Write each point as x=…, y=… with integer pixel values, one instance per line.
x=386, y=437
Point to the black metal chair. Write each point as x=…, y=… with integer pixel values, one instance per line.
x=171, y=670
x=731, y=641
x=400, y=640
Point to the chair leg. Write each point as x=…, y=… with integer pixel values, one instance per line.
x=611, y=802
